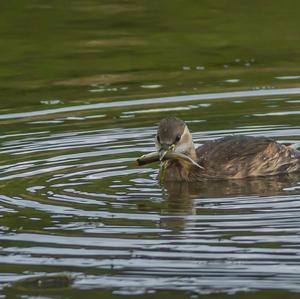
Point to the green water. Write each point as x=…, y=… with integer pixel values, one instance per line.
x=63, y=50
x=83, y=86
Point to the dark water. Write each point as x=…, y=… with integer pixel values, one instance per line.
x=83, y=86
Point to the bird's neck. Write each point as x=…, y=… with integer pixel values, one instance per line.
x=191, y=152
x=187, y=148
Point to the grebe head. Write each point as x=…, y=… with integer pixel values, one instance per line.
x=173, y=134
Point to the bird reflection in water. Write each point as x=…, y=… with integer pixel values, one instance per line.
x=180, y=197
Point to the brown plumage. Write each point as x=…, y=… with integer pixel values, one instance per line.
x=231, y=157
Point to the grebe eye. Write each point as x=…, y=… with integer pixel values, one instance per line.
x=158, y=139
x=177, y=138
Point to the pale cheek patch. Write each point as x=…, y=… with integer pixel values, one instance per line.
x=186, y=142
x=183, y=148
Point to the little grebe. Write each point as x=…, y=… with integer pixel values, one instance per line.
x=231, y=157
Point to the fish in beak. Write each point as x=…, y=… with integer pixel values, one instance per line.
x=165, y=148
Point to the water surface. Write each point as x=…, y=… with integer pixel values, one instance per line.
x=83, y=88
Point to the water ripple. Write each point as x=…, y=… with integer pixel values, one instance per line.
x=73, y=200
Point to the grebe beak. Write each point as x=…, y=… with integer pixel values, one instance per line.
x=165, y=148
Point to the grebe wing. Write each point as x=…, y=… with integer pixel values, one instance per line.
x=243, y=156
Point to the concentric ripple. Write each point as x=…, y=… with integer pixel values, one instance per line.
x=74, y=202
